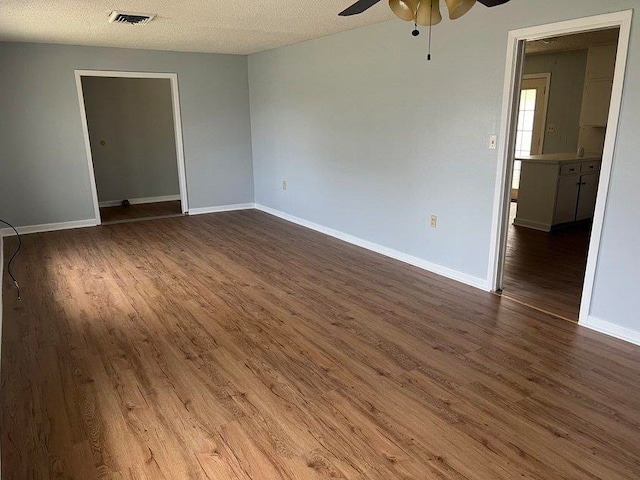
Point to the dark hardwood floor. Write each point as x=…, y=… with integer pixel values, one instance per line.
x=239, y=346
x=140, y=211
x=546, y=270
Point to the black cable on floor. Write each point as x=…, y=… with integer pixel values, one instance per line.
x=13, y=257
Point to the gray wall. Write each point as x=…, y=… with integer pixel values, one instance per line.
x=44, y=176
x=568, y=71
x=373, y=139
x=132, y=137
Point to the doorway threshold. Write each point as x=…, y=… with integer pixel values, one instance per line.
x=542, y=310
x=142, y=219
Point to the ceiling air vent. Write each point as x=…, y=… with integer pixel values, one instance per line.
x=130, y=18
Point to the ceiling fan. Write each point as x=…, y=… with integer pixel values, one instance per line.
x=422, y=12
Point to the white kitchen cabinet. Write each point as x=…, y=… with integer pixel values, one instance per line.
x=596, y=102
x=556, y=189
x=567, y=199
x=601, y=62
x=596, y=98
x=587, y=198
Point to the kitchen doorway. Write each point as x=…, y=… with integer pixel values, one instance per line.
x=550, y=201
x=133, y=138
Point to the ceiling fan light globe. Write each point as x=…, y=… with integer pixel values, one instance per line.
x=404, y=9
x=428, y=13
x=458, y=8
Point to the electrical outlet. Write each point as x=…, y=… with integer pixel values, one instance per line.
x=434, y=221
x=551, y=128
x=284, y=185
x=493, y=142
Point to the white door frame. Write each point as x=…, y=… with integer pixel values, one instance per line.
x=177, y=123
x=513, y=75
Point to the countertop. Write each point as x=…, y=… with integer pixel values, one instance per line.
x=558, y=158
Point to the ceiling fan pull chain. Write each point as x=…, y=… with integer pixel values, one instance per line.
x=430, y=27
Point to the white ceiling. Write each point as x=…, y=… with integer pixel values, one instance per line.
x=223, y=26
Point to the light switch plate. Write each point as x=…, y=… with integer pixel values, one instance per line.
x=493, y=142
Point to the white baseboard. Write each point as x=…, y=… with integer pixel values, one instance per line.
x=49, y=227
x=139, y=201
x=613, y=330
x=222, y=208
x=543, y=227
x=477, y=282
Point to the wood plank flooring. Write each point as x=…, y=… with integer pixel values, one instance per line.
x=238, y=346
x=547, y=270
x=143, y=210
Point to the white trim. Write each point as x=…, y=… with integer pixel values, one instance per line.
x=506, y=149
x=513, y=66
x=382, y=250
x=613, y=330
x=521, y=222
x=87, y=148
x=121, y=74
x=222, y=208
x=140, y=201
x=177, y=123
x=110, y=203
x=49, y=227
x=607, y=164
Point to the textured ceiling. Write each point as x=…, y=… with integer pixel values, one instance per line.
x=224, y=26
x=580, y=41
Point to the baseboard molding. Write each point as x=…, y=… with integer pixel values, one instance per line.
x=139, y=201
x=543, y=227
x=222, y=208
x=613, y=330
x=476, y=282
x=49, y=227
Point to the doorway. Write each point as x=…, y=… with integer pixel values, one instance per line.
x=555, y=166
x=133, y=139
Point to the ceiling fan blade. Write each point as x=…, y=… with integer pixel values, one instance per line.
x=492, y=3
x=358, y=7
